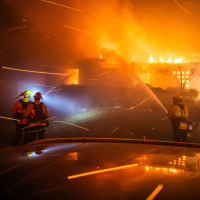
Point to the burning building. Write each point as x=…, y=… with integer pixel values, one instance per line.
x=168, y=73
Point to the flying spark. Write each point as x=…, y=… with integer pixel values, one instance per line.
x=9, y=118
x=30, y=71
x=80, y=30
x=39, y=123
x=54, y=87
x=102, y=74
x=139, y=103
x=57, y=4
x=115, y=129
x=65, y=122
x=102, y=171
x=180, y=6
x=164, y=118
x=155, y=192
x=16, y=28
x=55, y=90
x=11, y=168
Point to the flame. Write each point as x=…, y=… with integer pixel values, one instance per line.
x=100, y=56
x=161, y=60
x=177, y=60
x=170, y=60
x=151, y=59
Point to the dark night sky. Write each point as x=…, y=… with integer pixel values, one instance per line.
x=32, y=32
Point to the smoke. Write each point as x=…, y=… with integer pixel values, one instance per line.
x=129, y=30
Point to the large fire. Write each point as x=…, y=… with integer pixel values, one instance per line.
x=169, y=60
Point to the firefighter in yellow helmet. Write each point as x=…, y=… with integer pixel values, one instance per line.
x=179, y=113
x=18, y=111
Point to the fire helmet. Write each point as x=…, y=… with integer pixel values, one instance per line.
x=177, y=97
x=27, y=94
x=38, y=95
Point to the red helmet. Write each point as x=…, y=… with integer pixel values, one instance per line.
x=38, y=95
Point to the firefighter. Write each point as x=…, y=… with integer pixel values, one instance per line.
x=178, y=114
x=18, y=110
x=38, y=116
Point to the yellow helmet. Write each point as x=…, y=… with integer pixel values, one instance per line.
x=27, y=94
x=177, y=97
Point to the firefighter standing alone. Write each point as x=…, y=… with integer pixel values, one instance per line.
x=38, y=116
x=18, y=110
x=179, y=113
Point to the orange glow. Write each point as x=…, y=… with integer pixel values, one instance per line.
x=100, y=56
x=147, y=168
x=179, y=60
x=184, y=157
x=72, y=156
x=102, y=171
x=155, y=192
x=176, y=60
x=165, y=170
x=73, y=80
x=151, y=59
x=170, y=60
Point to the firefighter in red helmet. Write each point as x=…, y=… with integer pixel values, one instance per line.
x=18, y=111
x=38, y=116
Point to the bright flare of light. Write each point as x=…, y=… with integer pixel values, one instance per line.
x=178, y=60
x=161, y=60
x=102, y=171
x=187, y=85
x=100, y=56
x=147, y=168
x=170, y=60
x=31, y=154
x=151, y=60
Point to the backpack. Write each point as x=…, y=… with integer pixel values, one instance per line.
x=37, y=114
